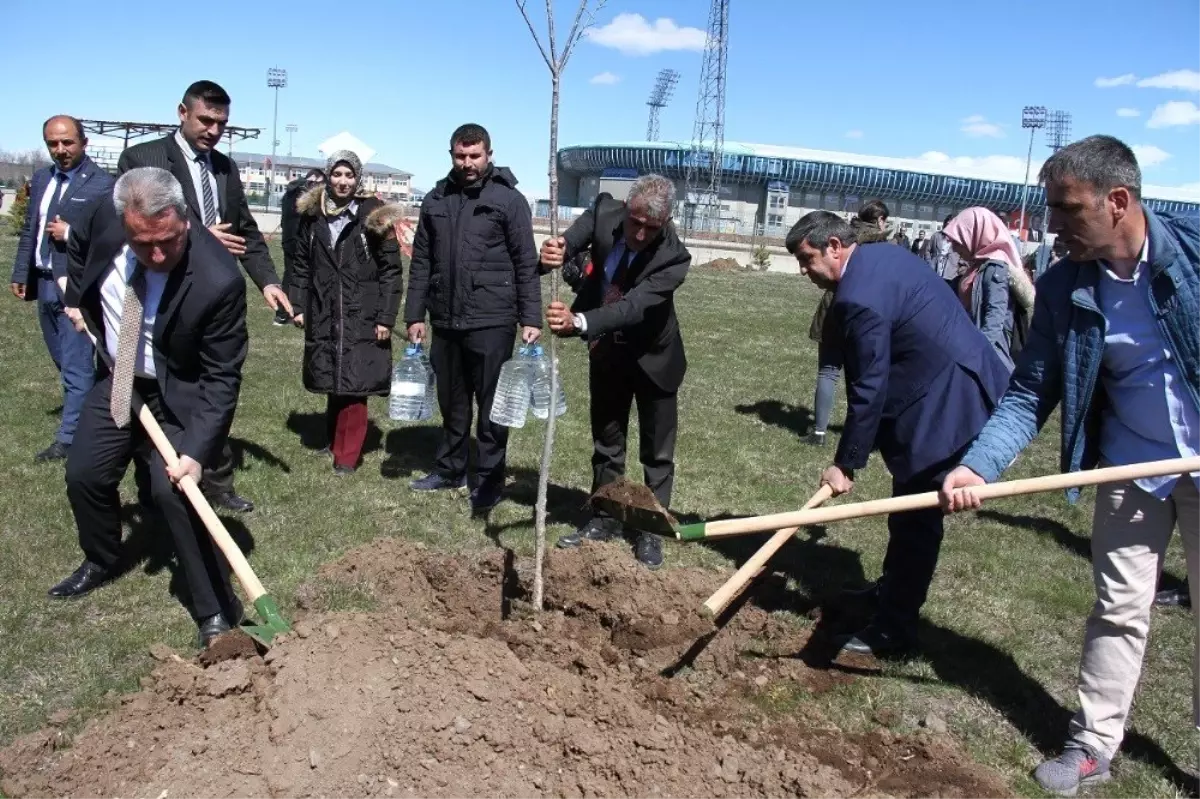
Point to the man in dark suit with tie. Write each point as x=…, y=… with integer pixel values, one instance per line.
x=217, y=201
x=921, y=381
x=62, y=195
x=625, y=310
x=167, y=306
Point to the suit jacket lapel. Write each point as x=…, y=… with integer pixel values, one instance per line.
x=221, y=167
x=178, y=283
x=183, y=173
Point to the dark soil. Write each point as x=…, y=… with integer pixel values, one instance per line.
x=618, y=689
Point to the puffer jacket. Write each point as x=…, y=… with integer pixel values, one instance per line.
x=344, y=288
x=864, y=233
x=1062, y=359
x=474, y=264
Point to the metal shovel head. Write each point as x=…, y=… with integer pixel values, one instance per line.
x=272, y=624
x=635, y=506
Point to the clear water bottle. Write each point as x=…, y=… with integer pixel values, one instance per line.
x=431, y=387
x=539, y=394
x=511, y=404
x=409, y=398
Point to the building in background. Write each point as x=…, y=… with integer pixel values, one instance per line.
x=390, y=183
x=765, y=189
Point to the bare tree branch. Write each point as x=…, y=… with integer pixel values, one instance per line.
x=554, y=70
x=577, y=31
x=533, y=33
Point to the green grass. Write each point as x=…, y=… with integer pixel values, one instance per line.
x=1004, y=619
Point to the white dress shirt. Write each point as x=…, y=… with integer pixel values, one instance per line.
x=112, y=300
x=194, y=171
x=44, y=208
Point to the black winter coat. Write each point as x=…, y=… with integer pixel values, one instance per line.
x=474, y=264
x=344, y=289
x=289, y=216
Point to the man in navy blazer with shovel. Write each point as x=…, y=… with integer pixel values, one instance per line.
x=921, y=381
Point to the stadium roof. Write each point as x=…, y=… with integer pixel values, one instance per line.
x=945, y=165
x=371, y=167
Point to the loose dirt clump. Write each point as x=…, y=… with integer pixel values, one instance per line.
x=722, y=265
x=619, y=689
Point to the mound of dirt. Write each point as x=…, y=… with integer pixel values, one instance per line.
x=722, y=265
x=453, y=689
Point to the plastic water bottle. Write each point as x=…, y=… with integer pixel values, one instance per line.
x=539, y=395
x=511, y=404
x=409, y=398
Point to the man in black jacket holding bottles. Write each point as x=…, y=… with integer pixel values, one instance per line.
x=474, y=271
x=625, y=310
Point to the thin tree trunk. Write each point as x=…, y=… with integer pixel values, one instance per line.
x=539, y=524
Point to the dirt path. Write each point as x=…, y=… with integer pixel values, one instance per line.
x=447, y=691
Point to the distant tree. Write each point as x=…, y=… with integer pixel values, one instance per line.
x=16, y=212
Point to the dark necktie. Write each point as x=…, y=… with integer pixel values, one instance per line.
x=51, y=212
x=614, y=292
x=206, y=192
x=129, y=338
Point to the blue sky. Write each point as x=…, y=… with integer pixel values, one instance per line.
x=942, y=79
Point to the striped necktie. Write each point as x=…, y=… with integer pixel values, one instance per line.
x=129, y=338
x=206, y=192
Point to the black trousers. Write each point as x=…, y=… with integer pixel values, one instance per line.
x=615, y=383
x=467, y=365
x=914, y=543
x=96, y=463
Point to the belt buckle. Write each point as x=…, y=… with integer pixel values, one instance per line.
x=618, y=337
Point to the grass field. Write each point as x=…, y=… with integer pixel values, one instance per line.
x=1003, y=625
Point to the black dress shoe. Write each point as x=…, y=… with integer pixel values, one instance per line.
x=231, y=501
x=1174, y=598
x=55, y=452
x=875, y=641
x=210, y=628
x=648, y=550
x=485, y=497
x=87, y=578
x=597, y=529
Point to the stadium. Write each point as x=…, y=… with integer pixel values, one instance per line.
x=766, y=188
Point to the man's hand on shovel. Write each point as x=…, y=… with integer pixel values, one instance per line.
x=838, y=480
x=186, y=467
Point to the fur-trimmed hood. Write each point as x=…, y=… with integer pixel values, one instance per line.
x=380, y=216
x=867, y=232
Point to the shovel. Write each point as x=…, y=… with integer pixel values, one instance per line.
x=273, y=623
x=635, y=506
x=1034, y=485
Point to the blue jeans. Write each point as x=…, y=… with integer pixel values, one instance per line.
x=71, y=352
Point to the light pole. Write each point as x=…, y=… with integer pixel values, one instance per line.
x=290, y=128
x=1032, y=117
x=276, y=79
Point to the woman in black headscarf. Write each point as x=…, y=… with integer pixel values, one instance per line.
x=346, y=288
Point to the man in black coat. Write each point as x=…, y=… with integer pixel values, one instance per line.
x=474, y=271
x=289, y=225
x=217, y=201
x=167, y=306
x=625, y=310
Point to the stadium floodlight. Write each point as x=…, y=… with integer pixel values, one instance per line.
x=660, y=95
x=1032, y=117
x=291, y=128
x=276, y=79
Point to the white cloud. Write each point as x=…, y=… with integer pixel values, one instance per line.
x=1120, y=80
x=605, y=79
x=1128, y=112
x=1174, y=114
x=977, y=126
x=1182, y=79
x=1148, y=155
x=1191, y=187
x=996, y=167
x=854, y=134
x=632, y=34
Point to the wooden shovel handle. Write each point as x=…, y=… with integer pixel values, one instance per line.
x=720, y=600
x=879, y=507
x=216, y=528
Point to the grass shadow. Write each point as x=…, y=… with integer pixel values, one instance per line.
x=240, y=448
x=310, y=427
x=1068, y=539
x=409, y=450
x=796, y=418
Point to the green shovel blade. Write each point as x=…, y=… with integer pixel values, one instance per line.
x=273, y=623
